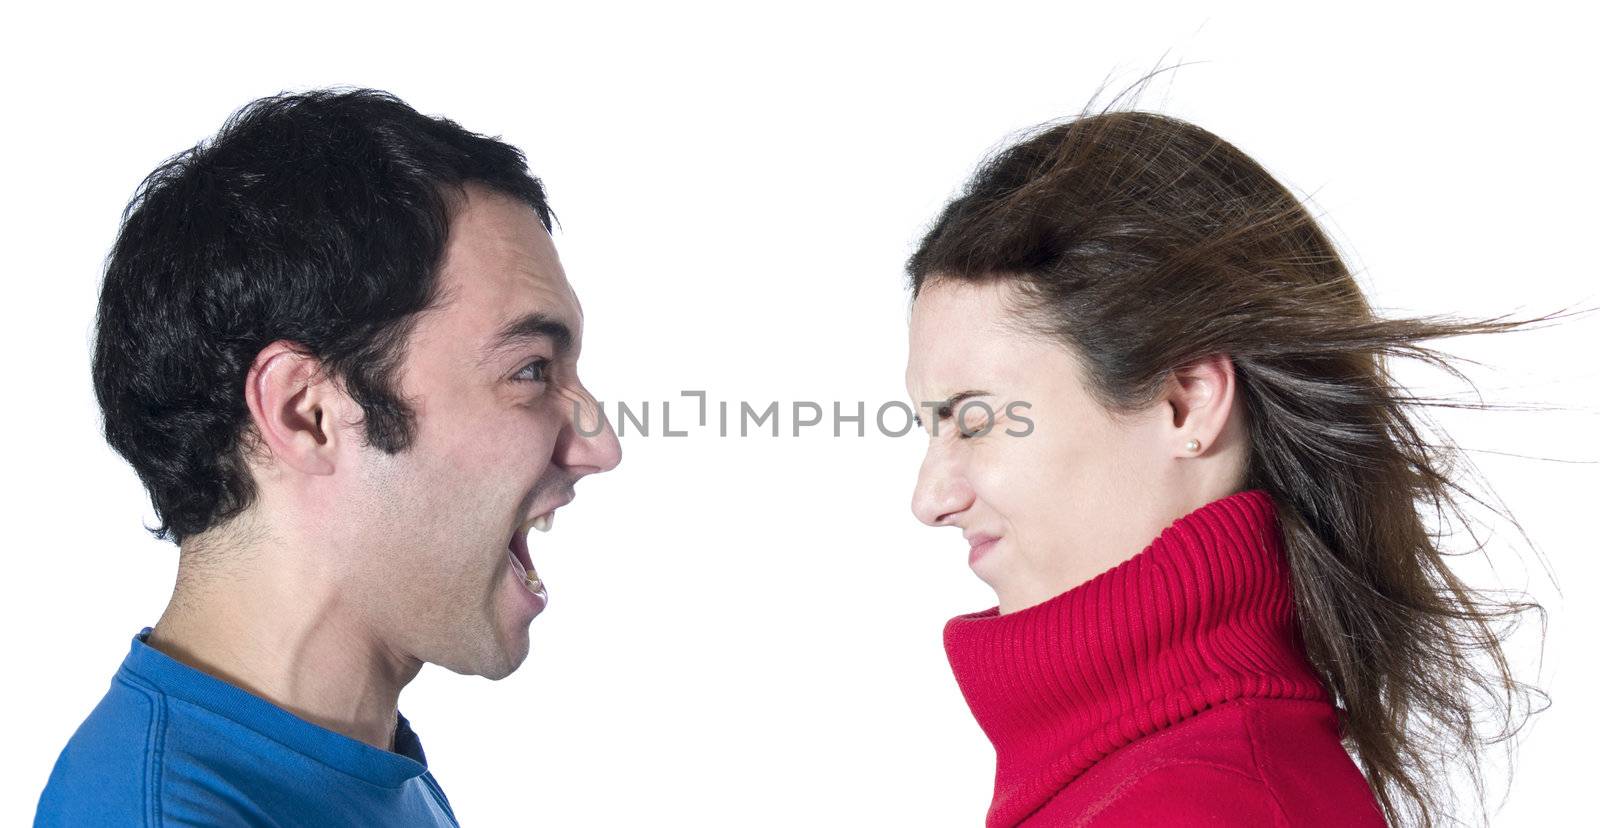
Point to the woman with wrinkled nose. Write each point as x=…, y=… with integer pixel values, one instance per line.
x=1159, y=412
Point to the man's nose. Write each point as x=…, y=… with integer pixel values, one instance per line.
x=941, y=492
x=588, y=444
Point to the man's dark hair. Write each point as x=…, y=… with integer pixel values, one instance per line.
x=318, y=218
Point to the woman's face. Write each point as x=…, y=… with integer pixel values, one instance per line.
x=1080, y=490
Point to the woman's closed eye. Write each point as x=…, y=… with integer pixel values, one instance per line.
x=976, y=425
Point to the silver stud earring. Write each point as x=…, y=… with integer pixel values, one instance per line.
x=1192, y=445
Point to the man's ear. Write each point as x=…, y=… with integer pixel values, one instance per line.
x=294, y=407
x=1200, y=394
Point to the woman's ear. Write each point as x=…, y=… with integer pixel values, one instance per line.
x=1199, y=397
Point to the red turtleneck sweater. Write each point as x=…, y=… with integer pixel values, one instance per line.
x=1171, y=689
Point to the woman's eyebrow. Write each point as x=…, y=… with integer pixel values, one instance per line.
x=956, y=399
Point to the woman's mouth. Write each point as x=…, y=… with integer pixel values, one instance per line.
x=981, y=544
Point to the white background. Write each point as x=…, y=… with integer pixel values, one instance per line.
x=747, y=632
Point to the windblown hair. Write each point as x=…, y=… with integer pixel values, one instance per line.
x=318, y=218
x=1143, y=242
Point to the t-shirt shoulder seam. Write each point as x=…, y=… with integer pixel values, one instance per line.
x=155, y=745
x=437, y=793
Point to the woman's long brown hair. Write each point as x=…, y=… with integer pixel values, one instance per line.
x=1144, y=242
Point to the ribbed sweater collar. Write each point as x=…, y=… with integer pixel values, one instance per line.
x=1202, y=615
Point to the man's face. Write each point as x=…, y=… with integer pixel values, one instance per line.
x=491, y=373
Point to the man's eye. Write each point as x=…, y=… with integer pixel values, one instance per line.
x=533, y=371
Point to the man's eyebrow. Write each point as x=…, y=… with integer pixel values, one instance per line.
x=527, y=328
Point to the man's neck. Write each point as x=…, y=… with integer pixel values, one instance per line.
x=290, y=640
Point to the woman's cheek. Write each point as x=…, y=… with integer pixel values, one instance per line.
x=1002, y=472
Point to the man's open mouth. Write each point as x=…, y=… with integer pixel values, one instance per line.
x=521, y=561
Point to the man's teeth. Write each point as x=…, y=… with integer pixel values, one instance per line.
x=530, y=577
x=542, y=522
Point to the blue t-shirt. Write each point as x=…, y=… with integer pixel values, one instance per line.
x=170, y=745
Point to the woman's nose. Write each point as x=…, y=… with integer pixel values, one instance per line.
x=941, y=492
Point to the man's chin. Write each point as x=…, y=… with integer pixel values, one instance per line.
x=511, y=656
x=501, y=671
x=513, y=659
x=498, y=658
